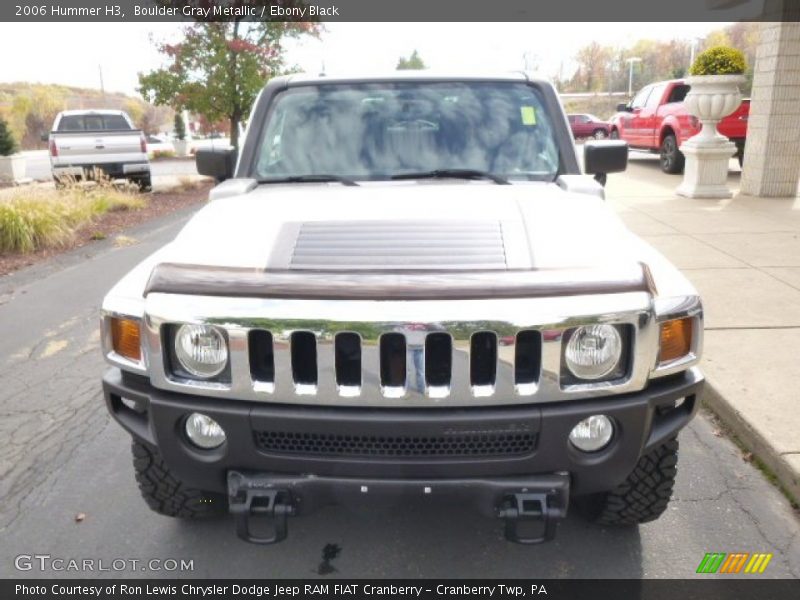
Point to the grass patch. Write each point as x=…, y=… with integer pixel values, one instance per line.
x=33, y=218
x=162, y=154
x=187, y=184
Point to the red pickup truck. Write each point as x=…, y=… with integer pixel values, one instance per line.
x=656, y=120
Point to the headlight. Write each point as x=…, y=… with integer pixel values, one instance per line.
x=201, y=350
x=593, y=351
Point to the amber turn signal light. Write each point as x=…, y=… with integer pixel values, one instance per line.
x=676, y=339
x=126, y=338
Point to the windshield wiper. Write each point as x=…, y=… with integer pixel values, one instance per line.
x=321, y=178
x=454, y=173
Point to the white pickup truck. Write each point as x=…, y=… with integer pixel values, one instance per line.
x=84, y=143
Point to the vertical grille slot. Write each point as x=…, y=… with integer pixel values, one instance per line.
x=528, y=358
x=304, y=357
x=348, y=359
x=483, y=359
x=262, y=356
x=393, y=360
x=438, y=359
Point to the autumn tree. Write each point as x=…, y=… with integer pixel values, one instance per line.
x=412, y=62
x=217, y=69
x=593, y=61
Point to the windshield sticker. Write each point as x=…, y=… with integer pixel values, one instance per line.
x=528, y=115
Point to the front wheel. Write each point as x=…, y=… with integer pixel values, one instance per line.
x=643, y=496
x=672, y=159
x=614, y=134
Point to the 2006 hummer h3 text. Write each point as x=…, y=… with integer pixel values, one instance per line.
x=405, y=286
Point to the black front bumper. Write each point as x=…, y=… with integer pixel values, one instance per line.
x=353, y=444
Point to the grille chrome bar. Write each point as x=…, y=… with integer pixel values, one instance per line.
x=426, y=353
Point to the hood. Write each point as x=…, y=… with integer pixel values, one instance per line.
x=404, y=225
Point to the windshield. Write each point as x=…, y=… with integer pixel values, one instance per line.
x=381, y=130
x=93, y=123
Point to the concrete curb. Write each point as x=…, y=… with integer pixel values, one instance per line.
x=787, y=474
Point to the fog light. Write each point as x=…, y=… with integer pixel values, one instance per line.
x=592, y=434
x=204, y=432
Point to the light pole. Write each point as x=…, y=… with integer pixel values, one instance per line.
x=695, y=41
x=630, y=61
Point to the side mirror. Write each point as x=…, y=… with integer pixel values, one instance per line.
x=623, y=108
x=45, y=137
x=219, y=163
x=604, y=157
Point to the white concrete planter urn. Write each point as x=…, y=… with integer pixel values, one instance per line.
x=181, y=147
x=710, y=99
x=12, y=168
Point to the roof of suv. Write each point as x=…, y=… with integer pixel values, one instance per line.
x=408, y=75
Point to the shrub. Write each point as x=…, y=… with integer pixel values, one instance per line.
x=180, y=127
x=7, y=144
x=719, y=60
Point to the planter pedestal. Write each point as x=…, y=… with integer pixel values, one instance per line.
x=706, y=172
x=710, y=99
x=12, y=168
x=181, y=147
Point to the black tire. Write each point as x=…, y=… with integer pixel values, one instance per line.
x=145, y=184
x=166, y=494
x=614, y=134
x=672, y=159
x=599, y=134
x=644, y=495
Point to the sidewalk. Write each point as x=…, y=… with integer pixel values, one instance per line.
x=743, y=255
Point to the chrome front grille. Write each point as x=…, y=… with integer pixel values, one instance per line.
x=504, y=351
x=411, y=360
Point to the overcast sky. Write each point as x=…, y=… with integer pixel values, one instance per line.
x=71, y=53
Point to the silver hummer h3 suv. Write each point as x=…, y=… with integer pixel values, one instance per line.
x=405, y=286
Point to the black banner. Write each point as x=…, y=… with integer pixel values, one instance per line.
x=425, y=589
x=401, y=10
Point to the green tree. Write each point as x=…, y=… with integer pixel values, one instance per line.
x=8, y=145
x=217, y=69
x=180, y=127
x=412, y=62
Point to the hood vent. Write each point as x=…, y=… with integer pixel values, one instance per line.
x=377, y=245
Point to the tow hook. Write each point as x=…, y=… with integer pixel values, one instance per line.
x=520, y=509
x=252, y=497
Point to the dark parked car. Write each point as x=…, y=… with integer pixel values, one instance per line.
x=585, y=126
